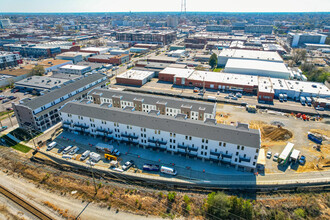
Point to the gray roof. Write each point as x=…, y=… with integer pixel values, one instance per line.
x=195, y=128
x=153, y=99
x=41, y=82
x=60, y=92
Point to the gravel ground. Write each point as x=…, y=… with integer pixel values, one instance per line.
x=36, y=196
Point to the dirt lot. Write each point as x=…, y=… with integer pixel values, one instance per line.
x=274, y=139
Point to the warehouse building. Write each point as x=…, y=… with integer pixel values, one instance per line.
x=257, y=68
x=135, y=77
x=75, y=57
x=146, y=103
x=258, y=29
x=74, y=69
x=95, y=50
x=237, y=146
x=227, y=54
x=42, y=112
x=37, y=84
x=111, y=59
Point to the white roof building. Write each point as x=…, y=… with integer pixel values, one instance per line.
x=226, y=54
x=258, y=68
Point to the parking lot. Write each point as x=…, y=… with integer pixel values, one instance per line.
x=7, y=93
x=186, y=168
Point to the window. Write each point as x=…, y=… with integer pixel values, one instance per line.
x=237, y=147
x=235, y=159
x=155, y=132
x=173, y=141
x=173, y=135
x=254, y=163
x=202, y=140
x=186, y=137
x=170, y=140
x=224, y=144
x=244, y=155
x=236, y=153
x=205, y=147
x=255, y=157
x=257, y=150
x=202, y=146
x=158, y=131
x=220, y=143
x=202, y=152
x=242, y=147
x=207, y=141
x=190, y=138
x=170, y=134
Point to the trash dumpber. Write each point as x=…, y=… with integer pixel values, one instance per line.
x=203, y=170
x=138, y=156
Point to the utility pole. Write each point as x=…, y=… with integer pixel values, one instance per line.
x=10, y=119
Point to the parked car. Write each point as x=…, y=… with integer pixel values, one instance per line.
x=239, y=95
x=319, y=108
x=85, y=155
x=61, y=149
x=128, y=164
x=116, y=152
x=12, y=97
x=275, y=158
x=74, y=150
x=302, y=160
x=9, y=109
x=269, y=154
x=5, y=100
x=67, y=149
x=234, y=98
x=150, y=167
x=227, y=97
x=3, y=128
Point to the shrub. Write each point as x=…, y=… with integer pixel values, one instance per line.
x=300, y=213
x=171, y=196
x=218, y=205
x=186, y=199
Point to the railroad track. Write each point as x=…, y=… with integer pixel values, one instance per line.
x=24, y=204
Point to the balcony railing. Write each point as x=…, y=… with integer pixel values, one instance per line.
x=191, y=148
x=227, y=155
x=129, y=136
x=157, y=141
x=81, y=126
x=245, y=159
x=181, y=146
x=66, y=123
x=215, y=153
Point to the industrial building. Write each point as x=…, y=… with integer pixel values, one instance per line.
x=219, y=28
x=95, y=50
x=74, y=69
x=146, y=36
x=237, y=146
x=119, y=52
x=138, y=50
x=42, y=112
x=269, y=87
x=111, y=59
x=37, y=84
x=135, y=77
x=257, y=68
x=146, y=103
x=75, y=57
x=226, y=54
x=258, y=29
x=5, y=23
x=33, y=50
x=8, y=60
x=300, y=39
x=50, y=64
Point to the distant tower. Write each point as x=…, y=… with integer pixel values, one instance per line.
x=183, y=6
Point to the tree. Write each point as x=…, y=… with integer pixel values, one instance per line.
x=38, y=70
x=213, y=60
x=59, y=28
x=327, y=41
x=299, y=55
x=217, y=205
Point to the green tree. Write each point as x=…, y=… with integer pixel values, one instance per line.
x=38, y=70
x=327, y=41
x=217, y=205
x=213, y=60
x=247, y=210
x=299, y=55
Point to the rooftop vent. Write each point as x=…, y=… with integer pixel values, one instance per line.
x=129, y=109
x=181, y=116
x=154, y=112
x=242, y=126
x=210, y=121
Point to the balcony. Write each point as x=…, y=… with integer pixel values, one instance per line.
x=66, y=123
x=129, y=136
x=181, y=151
x=227, y=155
x=215, y=153
x=181, y=146
x=192, y=154
x=245, y=159
x=81, y=126
x=193, y=148
x=157, y=141
x=104, y=131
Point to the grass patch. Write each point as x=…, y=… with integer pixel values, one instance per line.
x=22, y=148
x=6, y=113
x=217, y=69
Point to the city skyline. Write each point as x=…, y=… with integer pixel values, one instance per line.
x=38, y=6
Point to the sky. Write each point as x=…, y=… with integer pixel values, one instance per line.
x=164, y=5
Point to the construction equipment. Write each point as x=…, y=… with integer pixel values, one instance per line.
x=110, y=157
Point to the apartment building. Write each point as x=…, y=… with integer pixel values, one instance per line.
x=146, y=36
x=146, y=103
x=32, y=50
x=42, y=112
x=8, y=59
x=237, y=146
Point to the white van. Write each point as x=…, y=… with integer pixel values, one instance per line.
x=51, y=145
x=168, y=170
x=67, y=149
x=85, y=155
